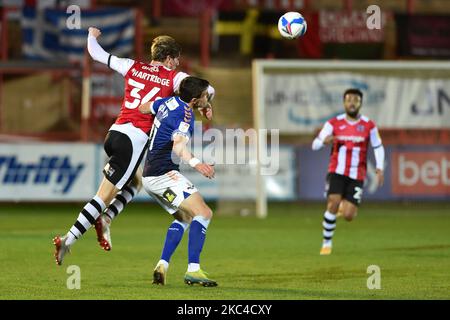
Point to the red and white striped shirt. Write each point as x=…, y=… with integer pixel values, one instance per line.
x=350, y=145
x=143, y=82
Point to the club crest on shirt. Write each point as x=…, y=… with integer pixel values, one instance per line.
x=360, y=128
x=172, y=103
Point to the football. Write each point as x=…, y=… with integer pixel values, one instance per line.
x=292, y=25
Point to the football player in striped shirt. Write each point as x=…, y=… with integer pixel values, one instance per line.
x=349, y=135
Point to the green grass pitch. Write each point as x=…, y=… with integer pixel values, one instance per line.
x=275, y=258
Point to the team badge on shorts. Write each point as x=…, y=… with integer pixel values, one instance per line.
x=169, y=195
x=190, y=186
x=109, y=170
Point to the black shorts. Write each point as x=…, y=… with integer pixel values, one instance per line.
x=350, y=189
x=125, y=150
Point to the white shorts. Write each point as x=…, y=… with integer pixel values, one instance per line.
x=169, y=190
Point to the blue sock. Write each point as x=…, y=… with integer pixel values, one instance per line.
x=197, y=236
x=173, y=238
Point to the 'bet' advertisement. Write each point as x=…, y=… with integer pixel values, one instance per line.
x=420, y=173
x=411, y=173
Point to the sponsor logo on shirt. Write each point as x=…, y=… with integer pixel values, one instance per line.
x=172, y=104
x=184, y=127
x=152, y=68
x=350, y=138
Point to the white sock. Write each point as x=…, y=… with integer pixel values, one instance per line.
x=193, y=267
x=70, y=239
x=164, y=263
x=185, y=225
x=203, y=221
x=106, y=218
x=328, y=215
x=327, y=243
x=86, y=218
x=329, y=225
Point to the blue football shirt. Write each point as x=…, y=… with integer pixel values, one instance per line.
x=173, y=117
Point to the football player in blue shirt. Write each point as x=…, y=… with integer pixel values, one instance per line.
x=173, y=127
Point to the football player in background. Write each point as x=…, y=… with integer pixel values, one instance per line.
x=127, y=138
x=172, y=129
x=349, y=135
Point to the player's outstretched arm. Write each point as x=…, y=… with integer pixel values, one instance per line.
x=380, y=177
x=95, y=50
x=180, y=149
x=121, y=65
x=378, y=149
x=94, y=32
x=325, y=137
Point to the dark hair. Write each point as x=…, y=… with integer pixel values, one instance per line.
x=164, y=46
x=353, y=91
x=192, y=87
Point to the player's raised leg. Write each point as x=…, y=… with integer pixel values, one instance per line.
x=202, y=215
x=90, y=212
x=329, y=223
x=125, y=150
x=126, y=147
x=123, y=197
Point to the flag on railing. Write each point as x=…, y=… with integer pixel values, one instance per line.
x=50, y=34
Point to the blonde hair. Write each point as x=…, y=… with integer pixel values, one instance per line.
x=163, y=46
